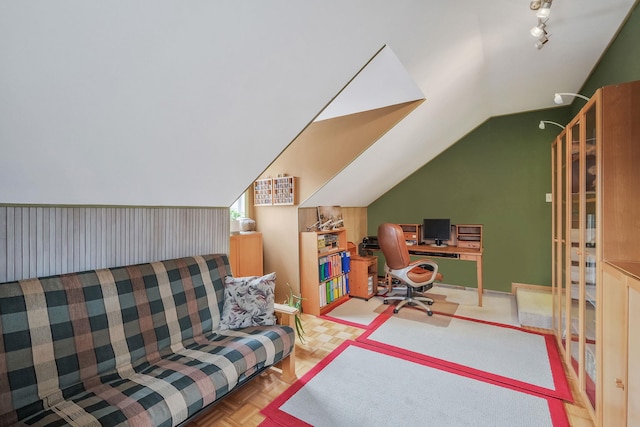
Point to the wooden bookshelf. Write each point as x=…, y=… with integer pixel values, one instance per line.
x=324, y=271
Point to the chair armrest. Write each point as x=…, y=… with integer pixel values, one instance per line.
x=423, y=261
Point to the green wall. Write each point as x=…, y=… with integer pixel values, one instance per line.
x=621, y=62
x=498, y=175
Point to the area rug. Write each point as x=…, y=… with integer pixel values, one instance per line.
x=507, y=354
x=363, y=385
x=366, y=314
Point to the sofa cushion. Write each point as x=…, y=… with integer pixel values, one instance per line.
x=175, y=387
x=248, y=301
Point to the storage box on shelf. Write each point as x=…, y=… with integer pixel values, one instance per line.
x=324, y=269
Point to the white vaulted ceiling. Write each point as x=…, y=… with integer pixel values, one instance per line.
x=160, y=102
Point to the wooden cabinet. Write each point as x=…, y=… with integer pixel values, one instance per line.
x=363, y=278
x=245, y=254
x=620, y=376
x=324, y=270
x=595, y=209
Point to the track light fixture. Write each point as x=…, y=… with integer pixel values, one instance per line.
x=539, y=30
x=542, y=122
x=557, y=98
x=543, y=10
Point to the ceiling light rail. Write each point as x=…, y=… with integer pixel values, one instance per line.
x=543, y=11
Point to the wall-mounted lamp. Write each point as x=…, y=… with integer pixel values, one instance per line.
x=542, y=122
x=557, y=98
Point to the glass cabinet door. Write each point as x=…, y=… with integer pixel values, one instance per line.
x=572, y=303
x=588, y=221
x=559, y=227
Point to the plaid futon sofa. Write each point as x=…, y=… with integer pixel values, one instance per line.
x=137, y=345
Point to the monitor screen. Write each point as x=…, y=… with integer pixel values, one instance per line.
x=437, y=230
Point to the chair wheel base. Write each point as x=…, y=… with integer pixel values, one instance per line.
x=385, y=302
x=395, y=311
x=429, y=302
x=430, y=313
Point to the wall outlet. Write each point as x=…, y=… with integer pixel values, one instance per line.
x=548, y=197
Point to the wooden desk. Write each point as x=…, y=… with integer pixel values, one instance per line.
x=464, y=254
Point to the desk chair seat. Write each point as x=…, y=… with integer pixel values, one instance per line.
x=416, y=275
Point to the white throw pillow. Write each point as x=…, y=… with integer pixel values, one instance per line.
x=248, y=301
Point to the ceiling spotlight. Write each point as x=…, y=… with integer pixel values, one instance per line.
x=542, y=122
x=544, y=11
x=541, y=41
x=557, y=98
x=539, y=30
x=535, y=5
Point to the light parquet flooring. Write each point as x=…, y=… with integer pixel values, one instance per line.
x=242, y=407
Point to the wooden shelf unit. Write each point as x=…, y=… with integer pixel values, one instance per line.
x=280, y=191
x=363, y=277
x=263, y=192
x=469, y=236
x=412, y=233
x=319, y=248
x=284, y=190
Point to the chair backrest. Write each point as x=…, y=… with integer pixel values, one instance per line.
x=393, y=245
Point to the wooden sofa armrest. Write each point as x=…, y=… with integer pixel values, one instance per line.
x=286, y=315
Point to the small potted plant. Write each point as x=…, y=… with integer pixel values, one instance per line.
x=295, y=301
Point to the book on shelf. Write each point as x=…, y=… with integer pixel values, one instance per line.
x=333, y=289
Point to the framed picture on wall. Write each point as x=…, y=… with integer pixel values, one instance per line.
x=330, y=217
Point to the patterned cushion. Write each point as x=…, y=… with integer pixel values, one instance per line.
x=248, y=301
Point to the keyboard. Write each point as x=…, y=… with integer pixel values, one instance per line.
x=435, y=254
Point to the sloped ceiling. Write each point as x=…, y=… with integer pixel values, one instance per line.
x=186, y=103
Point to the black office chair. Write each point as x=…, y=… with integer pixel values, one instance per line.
x=411, y=273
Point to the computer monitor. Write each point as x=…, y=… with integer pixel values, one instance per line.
x=437, y=230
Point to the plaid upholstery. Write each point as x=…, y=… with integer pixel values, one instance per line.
x=137, y=345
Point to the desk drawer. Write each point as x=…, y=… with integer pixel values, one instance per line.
x=467, y=257
x=472, y=245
